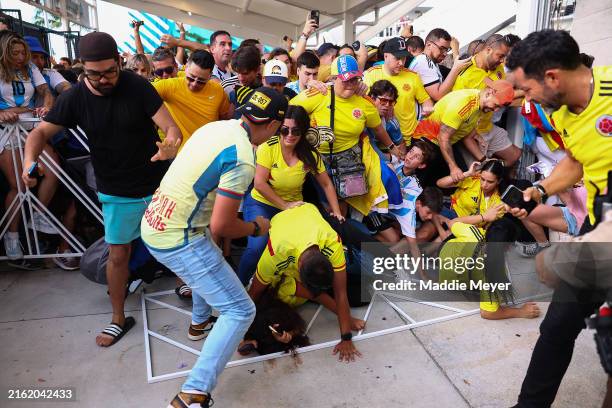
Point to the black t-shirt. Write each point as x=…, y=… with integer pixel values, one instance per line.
x=121, y=133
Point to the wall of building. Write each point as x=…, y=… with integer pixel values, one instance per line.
x=592, y=28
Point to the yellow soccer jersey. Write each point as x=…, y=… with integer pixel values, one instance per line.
x=291, y=233
x=192, y=110
x=469, y=199
x=217, y=159
x=352, y=116
x=588, y=135
x=286, y=181
x=473, y=77
x=459, y=110
x=410, y=90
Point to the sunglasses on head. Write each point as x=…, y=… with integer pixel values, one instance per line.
x=285, y=131
x=160, y=72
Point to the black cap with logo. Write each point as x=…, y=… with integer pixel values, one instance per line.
x=397, y=47
x=265, y=104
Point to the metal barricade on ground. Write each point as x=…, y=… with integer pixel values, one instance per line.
x=27, y=204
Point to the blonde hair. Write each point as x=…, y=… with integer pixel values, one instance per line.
x=134, y=60
x=7, y=69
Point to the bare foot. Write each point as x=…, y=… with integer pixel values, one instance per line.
x=357, y=324
x=529, y=310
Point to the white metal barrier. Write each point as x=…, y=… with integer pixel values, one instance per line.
x=27, y=204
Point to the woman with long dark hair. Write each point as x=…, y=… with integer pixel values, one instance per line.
x=282, y=165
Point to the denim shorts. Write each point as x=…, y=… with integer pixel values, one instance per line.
x=572, y=224
x=122, y=217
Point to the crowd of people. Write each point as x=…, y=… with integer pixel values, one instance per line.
x=309, y=154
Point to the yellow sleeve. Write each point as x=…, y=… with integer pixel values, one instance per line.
x=419, y=90
x=371, y=113
x=163, y=88
x=334, y=251
x=308, y=99
x=467, y=232
x=265, y=267
x=225, y=103
x=264, y=154
x=451, y=116
x=320, y=165
x=369, y=78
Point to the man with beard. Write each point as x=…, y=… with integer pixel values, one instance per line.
x=437, y=46
x=547, y=66
x=117, y=110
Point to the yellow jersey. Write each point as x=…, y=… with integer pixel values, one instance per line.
x=410, y=91
x=324, y=73
x=459, y=110
x=473, y=77
x=286, y=181
x=192, y=110
x=292, y=232
x=352, y=115
x=468, y=198
x=588, y=135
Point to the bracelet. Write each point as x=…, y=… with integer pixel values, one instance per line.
x=346, y=336
x=391, y=146
x=304, y=36
x=543, y=193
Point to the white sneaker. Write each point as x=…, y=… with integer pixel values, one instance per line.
x=40, y=224
x=67, y=263
x=12, y=246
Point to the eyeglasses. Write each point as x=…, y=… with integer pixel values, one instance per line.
x=285, y=131
x=160, y=72
x=354, y=81
x=110, y=73
x=443, y=50
x=198, y=81
x=386, y=101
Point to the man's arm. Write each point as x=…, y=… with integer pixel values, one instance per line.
x=224, y=221
x=382, y=136
x=138, y=40
x=169, y=147
x=472, y=146
x=438, y=90
x=43, y=92
x=180, y=51
x=444, y=136
x=171, y=41
x=362, y=56
x=257, y=289
x=309, y=28
x=35, y=143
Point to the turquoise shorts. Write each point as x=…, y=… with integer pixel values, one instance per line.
x=122, y=217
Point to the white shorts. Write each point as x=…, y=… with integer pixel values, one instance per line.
x=494, y=141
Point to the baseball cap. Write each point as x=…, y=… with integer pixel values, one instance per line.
x=345, y=67
x=504, y=92
x=265, y=104
x=97, y=46
x=323, y=48
x=397, y=47
x=275, y=72
x=34, y=45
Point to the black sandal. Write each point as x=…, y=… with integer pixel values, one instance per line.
x=183, y=292
x=117, y=332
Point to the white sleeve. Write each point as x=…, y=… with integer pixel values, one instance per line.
x=55, y=79
x=428, y=74
x=37, y=78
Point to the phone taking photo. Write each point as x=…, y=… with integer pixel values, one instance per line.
x=314, y=15
x=514, y=198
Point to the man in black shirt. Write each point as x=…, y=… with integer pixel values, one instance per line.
x=117, y=110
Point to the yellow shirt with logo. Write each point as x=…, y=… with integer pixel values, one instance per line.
x=410, y=91
x=588, y=135
x=459, y=110
x=286, y=181
x=192, y=110
x=468, y=198
x=291, y=233
x=352, y=115
x=473, y=77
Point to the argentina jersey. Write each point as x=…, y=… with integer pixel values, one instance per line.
x=405, y=213
x=20, y=91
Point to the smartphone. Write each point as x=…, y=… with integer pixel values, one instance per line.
x=273, y=329
x=514, y=198
x=33, y=171
x=356, y=46
x=314, y=15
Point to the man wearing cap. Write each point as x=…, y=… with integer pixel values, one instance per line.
x=275, y=76
x=455, y=118
x=304, y=260
x=410, y=89
x=54, y=79
x=327, y=52
x=193, y=100
x=488, y=63
x=117, y=110
x=204, y=187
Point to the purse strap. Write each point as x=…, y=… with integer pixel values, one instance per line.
x=332, y=108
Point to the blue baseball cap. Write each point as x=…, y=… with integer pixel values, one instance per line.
x=34, y=45
x=345, y=67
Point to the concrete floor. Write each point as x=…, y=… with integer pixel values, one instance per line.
x=49, y=319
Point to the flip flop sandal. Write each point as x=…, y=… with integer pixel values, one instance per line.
x=117, y=332
x=183, y=292
x=246, y=349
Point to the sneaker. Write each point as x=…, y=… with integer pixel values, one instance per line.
x=529, y=250
x=67, y=263
x=199, y=331
x=40, y=224
x=12, y=246
x=191, y=400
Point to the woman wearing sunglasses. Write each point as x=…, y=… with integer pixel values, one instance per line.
x=282, y=165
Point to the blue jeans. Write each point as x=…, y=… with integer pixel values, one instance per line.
x=256, y=245
x=202, y=266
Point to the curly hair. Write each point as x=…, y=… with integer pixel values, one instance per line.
x=8, y=40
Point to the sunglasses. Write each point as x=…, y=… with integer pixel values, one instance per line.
x=286, y=131
x=386, y=101
x=160, y=72
x=198, y=81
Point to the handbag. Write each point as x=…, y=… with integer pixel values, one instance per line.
x=347, y=168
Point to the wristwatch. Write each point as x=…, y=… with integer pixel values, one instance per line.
x=257, y=229
x=346, y=336
x=543, y=193
x=391, y=146
x=304, y=36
